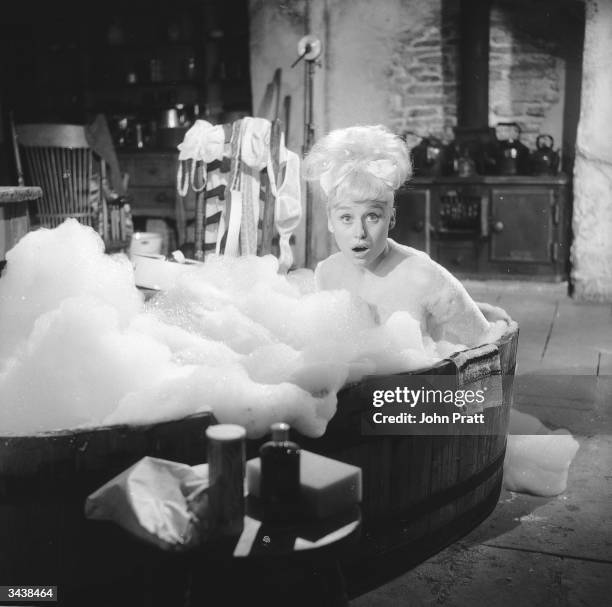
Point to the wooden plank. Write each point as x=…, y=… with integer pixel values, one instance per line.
x=418, y=485
x=570, y=391
x=467, y=458
x=443, y=475
x=579, y=333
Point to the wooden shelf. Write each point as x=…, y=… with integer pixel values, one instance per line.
x=148, y=47
x=137, y=86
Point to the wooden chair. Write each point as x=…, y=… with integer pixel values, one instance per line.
x=204, y=210
x=59, y=159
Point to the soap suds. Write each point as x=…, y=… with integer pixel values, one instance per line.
x=80, y=348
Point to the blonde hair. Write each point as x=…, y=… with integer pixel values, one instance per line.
x=358, y=163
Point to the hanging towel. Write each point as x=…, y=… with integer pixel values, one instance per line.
x=288, y=208
x=250, y=154
x=255, y=156
x=234, y=195
x=202, y=143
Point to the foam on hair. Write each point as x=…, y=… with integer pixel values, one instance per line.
x=344, y=155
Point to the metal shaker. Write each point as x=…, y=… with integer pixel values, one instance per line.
x=226, y=469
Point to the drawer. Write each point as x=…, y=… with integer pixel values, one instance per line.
x=150, y=169
x=153, y=202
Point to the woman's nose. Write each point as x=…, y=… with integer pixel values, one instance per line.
x=360, y=229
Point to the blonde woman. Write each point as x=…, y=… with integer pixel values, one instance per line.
x=359, y=168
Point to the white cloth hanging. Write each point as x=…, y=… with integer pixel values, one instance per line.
x=255, y=154
x=251, y=142
x=288, y=208
x=202, y=142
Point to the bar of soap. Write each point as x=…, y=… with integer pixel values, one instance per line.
x=327, y=485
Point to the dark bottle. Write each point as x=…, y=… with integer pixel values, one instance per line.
x=280, y=475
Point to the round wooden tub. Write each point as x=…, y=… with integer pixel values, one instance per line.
x=419, y=492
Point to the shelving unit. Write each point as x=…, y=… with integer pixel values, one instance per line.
x=131, y=61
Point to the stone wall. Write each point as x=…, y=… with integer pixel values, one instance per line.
x=531, y=45
x=592, y=218
x=422, y=73
x=527, y=70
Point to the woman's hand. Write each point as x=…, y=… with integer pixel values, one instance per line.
x=493, y=313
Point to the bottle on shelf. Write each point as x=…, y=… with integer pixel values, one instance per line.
x=280, y=475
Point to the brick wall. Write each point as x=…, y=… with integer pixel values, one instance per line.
x=527, y=70
x=423, y=73
x=526, y=80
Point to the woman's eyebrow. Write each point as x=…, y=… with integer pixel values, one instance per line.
x=370, y=203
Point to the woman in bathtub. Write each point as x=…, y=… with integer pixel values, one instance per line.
x=359, y=168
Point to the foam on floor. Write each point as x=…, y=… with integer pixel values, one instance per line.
x=537, y=459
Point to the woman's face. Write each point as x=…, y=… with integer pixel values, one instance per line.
x=361, y=230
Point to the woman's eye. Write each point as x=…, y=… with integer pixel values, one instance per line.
x=345, y=218
x=373, y=217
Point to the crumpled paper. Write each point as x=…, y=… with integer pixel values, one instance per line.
x=162, y=502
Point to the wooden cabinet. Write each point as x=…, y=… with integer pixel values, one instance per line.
x=152, y=190
x=152, y=185
x=496, y=227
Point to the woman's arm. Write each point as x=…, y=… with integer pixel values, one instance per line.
x=454, y=314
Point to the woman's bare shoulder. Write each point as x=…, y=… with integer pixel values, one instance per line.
x=406, y=252
x=407, y=259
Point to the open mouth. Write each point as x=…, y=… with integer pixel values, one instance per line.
x=360, y=249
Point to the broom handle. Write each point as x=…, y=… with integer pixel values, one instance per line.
x=20, y=180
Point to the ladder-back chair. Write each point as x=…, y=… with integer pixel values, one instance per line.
x=59, y=159
x=203, y=211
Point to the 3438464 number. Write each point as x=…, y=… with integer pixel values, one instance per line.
x=25, y=593
x=28, y=593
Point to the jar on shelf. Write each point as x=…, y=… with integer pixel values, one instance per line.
x=155, y=70
x=174, y=32
x=115, y=35
x=190, y=68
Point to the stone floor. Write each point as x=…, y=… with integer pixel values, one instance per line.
x=536, y=551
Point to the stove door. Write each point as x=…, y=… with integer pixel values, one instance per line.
x=522, y=224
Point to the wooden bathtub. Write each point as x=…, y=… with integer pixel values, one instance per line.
x=419, y=492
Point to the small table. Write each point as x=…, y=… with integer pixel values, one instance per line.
x=296, y=563
x=15, y=215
